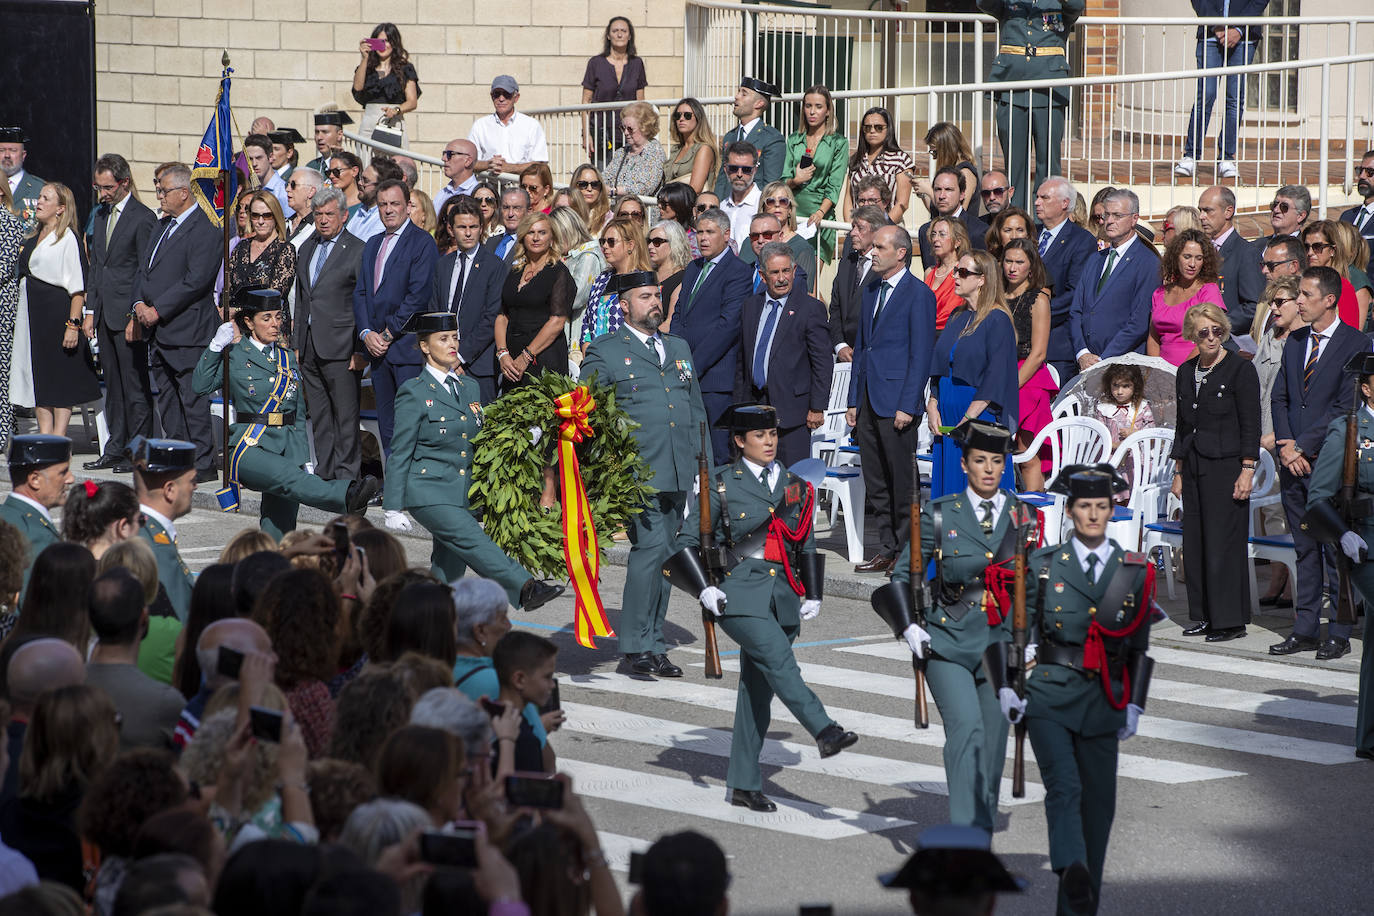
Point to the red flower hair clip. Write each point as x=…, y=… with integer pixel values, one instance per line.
x=92, y=488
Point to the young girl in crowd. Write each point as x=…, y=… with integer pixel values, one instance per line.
x=1124, y=409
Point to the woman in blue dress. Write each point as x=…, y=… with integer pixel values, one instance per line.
x=974, y=370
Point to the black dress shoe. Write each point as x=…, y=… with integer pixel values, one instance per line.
x=642, y=663
x=1226, y=633
x=101, y=463
x=1364, y=754
x=834, y=739
x=535, y=594
x=1196, y=629
x=1275, y=601
x=122, y=466
x=666, y=668
x=360, y=493
x=754, y=801
x=1333, y=648
x=1294, y=644
x=1076, y=889
x=880, y=563
x=208, y=476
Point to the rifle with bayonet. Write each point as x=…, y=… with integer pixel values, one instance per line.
x=1027, y=536
x=900, y=606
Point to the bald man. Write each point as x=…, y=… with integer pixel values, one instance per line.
x=36, y=666
x=459, y=157
x=235, y=633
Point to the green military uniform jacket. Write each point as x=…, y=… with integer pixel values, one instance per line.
x=960, y=632
x=1326, y=476
x=431, y=448
x=36, y=528
x=172, y=571
x=664, y=400
x=1060, y=613
x=1033, y=24
x=251, y=380
x=756, y=587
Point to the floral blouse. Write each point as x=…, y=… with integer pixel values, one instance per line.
x=640, y=173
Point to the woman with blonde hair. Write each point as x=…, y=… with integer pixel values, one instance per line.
x=264, y=259
x=248, y=541
x=624, y=248
x=1328, y=246
x=53, y=369
x=945, y=143
x=637, y=167
x=1177, y=219
x=695, y=160
x=581, y=255
x=588, y=185
x=949, y=241
x=973, y=370
x=422, y=211
x=669, y=256
x=536, y=305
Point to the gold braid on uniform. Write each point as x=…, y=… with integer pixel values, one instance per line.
x=508, y=471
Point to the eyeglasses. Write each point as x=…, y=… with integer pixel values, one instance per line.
x=1168, y=227
x=450, y=153
x=589, y=186
x=106, y=187
x=1280, y=300
x=778, y=202
x=766, y=236
x=501, y=95
x=1318, y=246
x=163, y=192
x=1209, y=333
x=628, y=128
x=336, y=172
x=365, y=182
x=739, y=169
x=610, y=241
x=654, y=241
x=632, y=214
x=701, y=208
x=683, y=115
x=1109, y=217
x=1272, y=265
x=874, y=128
x=1364, y=170
x=531, y=189
x=485, y=201
x=292, y=184
x=993, y=192
x=256, y=214
x=963, y=273
x=1280, y=205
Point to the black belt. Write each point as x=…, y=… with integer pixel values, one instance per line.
x=275, y=418
x=1052, y=654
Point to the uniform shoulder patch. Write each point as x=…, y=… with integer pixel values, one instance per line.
x=1134, y=559
x=161, y=538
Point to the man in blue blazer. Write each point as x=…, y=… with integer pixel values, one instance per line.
x=1065, y=247
x=1110, y=314
x=714, y=288
x=1311, y=390
x=786, y=361
x=468, y=282
x=1362, y=217
x=173, y=299
x=887, y=386
x=751, y=103
x=395, y=282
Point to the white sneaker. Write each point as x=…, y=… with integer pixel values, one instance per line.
x=1226, y=168
x=1185, y=167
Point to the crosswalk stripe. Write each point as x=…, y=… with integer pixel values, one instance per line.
x=664, y=793
x=1219, y=737
x=872, y=725
x=880, y=771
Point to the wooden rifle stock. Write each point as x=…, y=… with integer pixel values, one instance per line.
x=710, y=557
x=1346, y=602
x=1019, y=639
x=920, y=592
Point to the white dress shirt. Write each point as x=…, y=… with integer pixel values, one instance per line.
x=162, y=520
x=1103, y=552
x=645, y=339
x=741, y=215
x=521, y=139
x=998, y=500
x=774, y=472
x=42, y=509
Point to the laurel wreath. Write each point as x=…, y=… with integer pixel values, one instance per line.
x=508, y=471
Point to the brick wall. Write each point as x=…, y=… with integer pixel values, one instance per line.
x=158, y=62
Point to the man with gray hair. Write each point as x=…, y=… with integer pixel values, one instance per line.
x=785, y=360
x=301, y=189
x=1242, y=283
x=327, y=270
x=515, y=203
x=1065, y=247
x=846, y=293
x=1288, y=213
x=1110, y=314
x=237, y=634
x=764, y=228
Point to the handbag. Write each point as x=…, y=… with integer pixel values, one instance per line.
x=388, y=131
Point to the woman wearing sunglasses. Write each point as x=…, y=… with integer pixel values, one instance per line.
x=878, y=154
x=343, y=174
x=694, y=161
x=1331, y=243
x=489, y=200
x=778, y=201
x=588, y=187
x=1189, y=272
x=264, y=259
x=1216, y=447
x=625, y=250
x=637, y=167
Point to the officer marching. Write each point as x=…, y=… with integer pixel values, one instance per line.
x=268, y=447
x=1090, y=607
x=656, y=384
x=972, y=536
x=164, y=479
x=40, y=473
x=762, y=514
x=438, y=414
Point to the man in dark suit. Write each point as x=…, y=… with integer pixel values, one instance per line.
x=395, y=282
x=751, y=103
x=1311, y=390
x=1362, y=217
x=714, y=288
x=1242, y=283
x=785, y=360
x=851, y=274
x=1065, y=247
x=1110, y=314
x=515, y=203
x=468, y=283
x=887, y=388
x=327, y=271
x=1288, y=214
x=947, y=194
x=174, y=299
x=123, y=226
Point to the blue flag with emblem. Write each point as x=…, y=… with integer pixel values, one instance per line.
x=216, y=153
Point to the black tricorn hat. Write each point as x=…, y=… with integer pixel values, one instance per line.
x=286, y=136
x=982, y=435
x=740, y=418
x=1361, y=364
x=634, y=280
x=250, y=300
x=158, y=456
x=39, y=450
x=13, y=135
x=422, y=323
x=759, y=86
x=337, y=118
x=1089, y=481
x=954, y=861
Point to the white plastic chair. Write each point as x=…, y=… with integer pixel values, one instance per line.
x=1072, y=440
x=1069, y=407
x=1152, y=472
x=834, y=431
x=845, y=484
x=1274, y=548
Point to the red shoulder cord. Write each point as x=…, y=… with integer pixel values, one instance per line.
x=1095, y=652
x=996, y=579
x=779, y=535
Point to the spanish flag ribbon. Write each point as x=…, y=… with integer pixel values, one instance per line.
x=579, y=530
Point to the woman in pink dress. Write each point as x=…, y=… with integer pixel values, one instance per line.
x=1189, y=271
x=1028, y=296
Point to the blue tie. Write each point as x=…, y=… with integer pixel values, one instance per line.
x=321, y=255
x=1044, y=241
x=761, y=348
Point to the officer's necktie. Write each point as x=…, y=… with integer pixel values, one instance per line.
x=1044, y=241
x=272, y=354
x=761, y=345
x=763, y=479
x=1092, y=568
x=452, y=385
x=1310, y=368
x=883, y=290
x=655, y=354
x=987, y=516
x=1107, y=272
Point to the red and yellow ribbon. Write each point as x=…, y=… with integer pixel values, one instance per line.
x=579, y=529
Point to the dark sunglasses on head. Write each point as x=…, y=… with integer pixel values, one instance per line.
x=1271, y=265
x=992, y=192
x=963, y=273
x=739, y=169
x=1209, y=333
x=589, y=186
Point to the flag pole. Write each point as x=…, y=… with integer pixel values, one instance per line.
x=228, y=301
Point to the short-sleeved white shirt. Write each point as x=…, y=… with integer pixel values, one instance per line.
x=520, y=140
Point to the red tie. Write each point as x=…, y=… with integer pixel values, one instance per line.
x=381, y=260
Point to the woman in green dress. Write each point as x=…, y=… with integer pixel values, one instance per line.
x=816, y=160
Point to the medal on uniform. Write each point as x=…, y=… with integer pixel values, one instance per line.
x=1059, y=588
x=953, y=534
x=627, y=361
x=429, y=402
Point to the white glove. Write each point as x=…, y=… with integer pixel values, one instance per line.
x=811, y=609
x=397, y=521
x=916, y=638
x=1030, y=653
x=1132, y=722
x=713, y=599
x=1013, y=707
x=224, y=336
x=1354, y=547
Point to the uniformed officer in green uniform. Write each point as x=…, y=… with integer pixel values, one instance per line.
x=972, y=537
x=1090, y=607
x=1325, y=524
x=751, y=104
x=1032, y=35
x=656, y=384
x=164, y=479
x=762, y=514
x=40, y=473
x=267, y=446
x=438, y=414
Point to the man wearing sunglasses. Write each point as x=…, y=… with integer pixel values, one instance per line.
x=1362, y=217
x=996, y=191
x=743, y=201
x=459, y=158
x=1242, y=283
x=507, y=141
x=751, y=102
